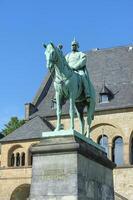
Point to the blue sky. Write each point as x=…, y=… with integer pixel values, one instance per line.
x=26, y=24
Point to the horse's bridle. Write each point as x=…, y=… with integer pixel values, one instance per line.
x=62, y=81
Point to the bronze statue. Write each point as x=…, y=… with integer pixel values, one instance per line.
x=71, y=82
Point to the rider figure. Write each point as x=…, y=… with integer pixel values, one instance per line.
x=77, y=61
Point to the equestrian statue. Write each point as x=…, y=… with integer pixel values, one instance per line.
x=71, y=82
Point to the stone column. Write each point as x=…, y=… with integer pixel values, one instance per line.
x=126, y=154
x=69, y=166
x=15, y=160
x=26, y=158
x=110, y=151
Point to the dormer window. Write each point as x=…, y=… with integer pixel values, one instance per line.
x=104, y=98
x=130, y=48
x=105, y=95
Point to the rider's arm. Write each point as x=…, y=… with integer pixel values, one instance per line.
x=81, y=63
x=67, y=57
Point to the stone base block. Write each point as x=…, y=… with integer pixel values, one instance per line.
x=70, y=167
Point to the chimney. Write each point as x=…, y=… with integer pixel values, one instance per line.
x=29, y=110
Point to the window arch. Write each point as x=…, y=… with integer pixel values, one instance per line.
x=16, y=156
x=117, y=151
x=22, y=192
x=12, y=155
x=103, y=141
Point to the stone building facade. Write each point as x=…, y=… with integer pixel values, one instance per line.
x=111, y=71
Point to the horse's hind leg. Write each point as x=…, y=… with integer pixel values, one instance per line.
x=82, y=123
x=81, y=118
x=71, y=112
x=89, y=119
x=58, y=111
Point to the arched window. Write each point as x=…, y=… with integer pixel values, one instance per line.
x=131, y=152
x=23, y=159
x=12, y=160
x=22, y=192
x=18, y=159
x=103, y=141
x=117, y=151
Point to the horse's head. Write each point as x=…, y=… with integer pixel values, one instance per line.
x=51, y=56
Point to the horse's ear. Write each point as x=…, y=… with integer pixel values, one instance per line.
x=52, y=44
x=45, y=46
x=60, y=46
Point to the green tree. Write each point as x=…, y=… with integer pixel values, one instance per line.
x=12, y=125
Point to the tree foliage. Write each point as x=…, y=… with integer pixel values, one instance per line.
x=12, y=125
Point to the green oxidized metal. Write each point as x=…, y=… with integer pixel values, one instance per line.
x=71, y=82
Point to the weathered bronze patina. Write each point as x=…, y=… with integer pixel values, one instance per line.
x=71, y=82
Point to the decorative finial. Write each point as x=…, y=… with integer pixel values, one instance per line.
x=75, y=42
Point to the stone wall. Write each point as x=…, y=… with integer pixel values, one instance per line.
x=123, y=181
x=10, y=179
x=14, y=177
x=114, y=125
x=0, y=159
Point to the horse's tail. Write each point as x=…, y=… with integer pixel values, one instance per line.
x=90, y=111
x=91, y=106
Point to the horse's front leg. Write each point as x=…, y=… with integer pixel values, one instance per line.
x=72, y=112
x=58, y=111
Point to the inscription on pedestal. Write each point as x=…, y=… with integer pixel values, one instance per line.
x=53, y=175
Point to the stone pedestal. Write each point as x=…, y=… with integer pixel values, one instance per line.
x=68, y=166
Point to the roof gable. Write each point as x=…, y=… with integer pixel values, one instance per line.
x=32, y=129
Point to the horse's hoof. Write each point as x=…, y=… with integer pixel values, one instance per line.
x=57, y=129
x=71, y=130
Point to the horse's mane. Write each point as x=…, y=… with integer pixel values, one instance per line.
x=62, y=56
